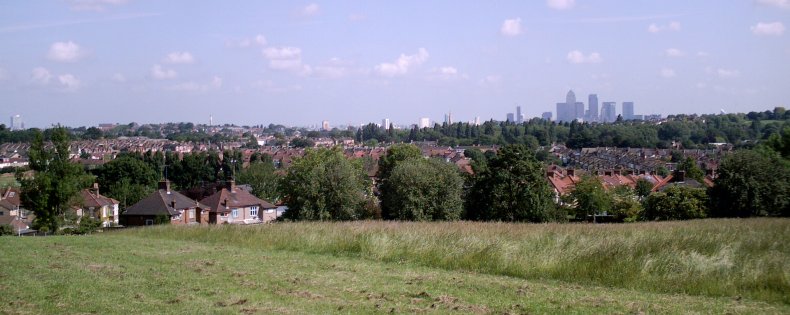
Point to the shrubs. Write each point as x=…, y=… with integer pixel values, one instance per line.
x=677, y=203
x=423, y=190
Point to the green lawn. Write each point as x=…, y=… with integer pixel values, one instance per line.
x=168, y=270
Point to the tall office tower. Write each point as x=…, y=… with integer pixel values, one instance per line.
x=592, y=102
x=17, y=123
x=608, y=112
x=579, y=110
x=477, y=121
x=565, y=112
x=511, y=118
x=519, y=117
x=325, y=125
x=546, y=116
x=385, y=123
x=424, y=122
x=628, y=110
x=448, y=118
x=570, y=98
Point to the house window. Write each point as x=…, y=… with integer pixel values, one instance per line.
x=254, y=211
x=191, y=213
x=149, y=222
x=1, y=213
x=234, y=213
x=269, y=210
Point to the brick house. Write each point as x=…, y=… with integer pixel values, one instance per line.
x=166, y=206
x=237, y=206
x=96, y=206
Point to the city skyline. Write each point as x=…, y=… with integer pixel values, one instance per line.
x=84, y=62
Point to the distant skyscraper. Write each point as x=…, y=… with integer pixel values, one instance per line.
x=579, y=110
x=511, y=117
x=325, y=125
x=628, y=110
x=477, y=121
x=17, y=123
x=519, y=117
x=546, y=116
x=609, y=112
x=385, y=123
x=424, y=122
x=570, y=98
x=565, y=113
x=448, y=118
x=592, y=102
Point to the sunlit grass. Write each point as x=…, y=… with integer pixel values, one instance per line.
x=735, y=257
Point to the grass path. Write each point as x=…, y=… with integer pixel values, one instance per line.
x=122, y=273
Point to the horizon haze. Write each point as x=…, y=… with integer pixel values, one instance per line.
x=85, y=62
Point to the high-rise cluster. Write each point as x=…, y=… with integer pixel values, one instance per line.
x=572, y=110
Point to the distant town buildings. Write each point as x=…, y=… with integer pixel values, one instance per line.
x=519, y=115
x=17, y=123
x=325, y=125
x=448, y=118
x=385, y=123
x=511, y=117
x=546, y=116
x=607, y=113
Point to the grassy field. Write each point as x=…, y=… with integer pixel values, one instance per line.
x=705, y=266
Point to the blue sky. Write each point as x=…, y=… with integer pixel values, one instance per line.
x=84, y=62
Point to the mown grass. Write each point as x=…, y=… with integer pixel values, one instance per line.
x=138, y=273
x=715, y=257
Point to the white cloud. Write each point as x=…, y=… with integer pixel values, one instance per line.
x=403, y=64
x=93, y=5
x=674, y=52
x=69, y=82
x=159, y=73
x=561, y=4
x=702, y=54
x=181, y=57
x=727, y=73
x=286, y=58
x=490, y=80
x=40, y=75
x=657, y=28
x=270, y=86
x=511, y=27
x=768, y=29
x=65, y=52
x=191, y=86
x=667, y=73
x=447, y=73
x=118, y=77
x=259, y=40
x=782, y=4
x=579, y=57
x=311, y=9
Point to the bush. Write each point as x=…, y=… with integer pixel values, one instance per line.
x=677, y=203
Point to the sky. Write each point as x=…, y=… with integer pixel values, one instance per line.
x=85, y=62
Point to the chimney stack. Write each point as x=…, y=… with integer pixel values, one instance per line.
x=231, y=186
x=680, y=176
x=571, y=172
x=165, y=185
x=96, y=189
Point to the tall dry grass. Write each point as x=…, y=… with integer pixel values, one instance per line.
x=714, y=257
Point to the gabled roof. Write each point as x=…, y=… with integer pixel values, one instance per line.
x=224, y=200
x=90, y=199
x=161, y=202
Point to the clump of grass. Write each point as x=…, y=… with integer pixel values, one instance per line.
x=714, y=257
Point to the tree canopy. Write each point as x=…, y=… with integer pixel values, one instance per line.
x=421, y=189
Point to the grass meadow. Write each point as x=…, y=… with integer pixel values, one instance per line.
x=701, y=266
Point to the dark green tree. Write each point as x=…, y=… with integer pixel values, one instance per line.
x=643, y=187
x=590, y=198
x=262, y=178
x=692, y=170
x=325, y=185
x=751, y=183
x=55, y=182
x=423, y=190
x=127, y=179
x=676, y=203
x=513, y=189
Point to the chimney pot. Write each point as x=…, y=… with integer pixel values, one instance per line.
x=165, y=185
